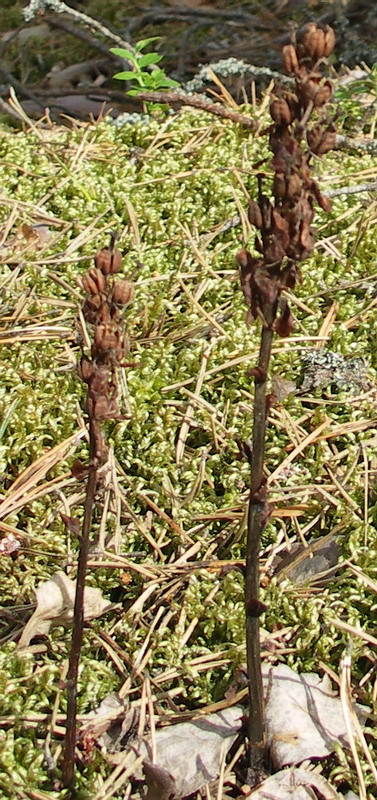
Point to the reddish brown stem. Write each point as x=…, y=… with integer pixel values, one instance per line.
x=255, y=524
x=78, y=618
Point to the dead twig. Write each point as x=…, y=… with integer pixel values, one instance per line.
x=63, y=24
x=197, y=101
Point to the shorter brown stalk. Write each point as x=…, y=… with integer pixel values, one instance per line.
x=102, y=311
x=78, y=617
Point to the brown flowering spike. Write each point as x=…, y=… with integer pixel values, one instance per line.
x=108, y=260
x=122, y=293
x=107, y=352
x=284, y=238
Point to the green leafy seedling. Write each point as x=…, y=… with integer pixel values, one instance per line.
x=144, y=79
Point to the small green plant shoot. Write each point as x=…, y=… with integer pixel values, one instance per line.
x=146, y=80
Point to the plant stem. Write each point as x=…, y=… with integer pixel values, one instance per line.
x=256, y=520
x=78, y=616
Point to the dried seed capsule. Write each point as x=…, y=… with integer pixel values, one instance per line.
x=312, y=41
x=98, y=277
x=281, y=112
x=254, y=213
x=328, y=143
x=314, y=137
x=279, y=187
x=101, y=407
x=323, y=94
x=106, y=338
x=88, y=284
x=320, y=141
x=290, y=60
x=265, y=207
x=293, y=186
x=285, y=324
x=245, y=260
x=93, y=302
x=99, y=383
x=108, y=260
x=85, y=369
x=309, y=89
x=104, y=313
x=329, y=40
x=89, y=309
x=323, y=201
x=122, y=293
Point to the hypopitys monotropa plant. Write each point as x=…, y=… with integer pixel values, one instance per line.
x=300, y=130
x=102, y=310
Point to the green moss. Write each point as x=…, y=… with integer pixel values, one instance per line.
x=183, y=178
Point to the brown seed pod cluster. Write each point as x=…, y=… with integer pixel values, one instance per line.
x=102, y=309
x=284, y=234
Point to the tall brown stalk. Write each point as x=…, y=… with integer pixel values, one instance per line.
x=300, y=130
x=102, y=312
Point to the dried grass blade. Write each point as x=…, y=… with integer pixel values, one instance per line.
x=37, y=471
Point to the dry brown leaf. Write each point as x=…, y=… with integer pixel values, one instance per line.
x=303, y=564
x=295, y=784
x=187, y=755
x=55, y=602
x=190, y=753
x=38, y=234
x=304, y=718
